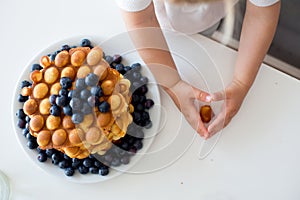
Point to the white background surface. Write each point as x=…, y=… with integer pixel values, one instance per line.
x=257, y=156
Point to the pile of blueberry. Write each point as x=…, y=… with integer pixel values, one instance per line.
x=79, y=102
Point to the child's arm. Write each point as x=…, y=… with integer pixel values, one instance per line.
x=258, y=31
x=148, y=38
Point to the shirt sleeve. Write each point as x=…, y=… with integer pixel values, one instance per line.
x=264, y=3
x=133, y=5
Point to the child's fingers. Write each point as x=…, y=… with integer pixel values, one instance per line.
x=201, y=95
x=218, y=96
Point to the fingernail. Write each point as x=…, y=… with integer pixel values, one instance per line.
x=208, y=98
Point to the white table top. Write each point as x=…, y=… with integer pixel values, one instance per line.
x=255, y=158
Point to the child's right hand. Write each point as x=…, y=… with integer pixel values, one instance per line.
x=184, y=96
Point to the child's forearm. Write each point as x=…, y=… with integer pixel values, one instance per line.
x=149, y=40
x=257, y=33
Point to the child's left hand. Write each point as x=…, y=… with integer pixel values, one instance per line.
x=233, y=98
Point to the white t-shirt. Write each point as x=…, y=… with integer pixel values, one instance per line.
x=187, y=18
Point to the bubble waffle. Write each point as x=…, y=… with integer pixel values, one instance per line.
x=97, y=130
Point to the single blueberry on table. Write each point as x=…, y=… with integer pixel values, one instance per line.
x=65, y=47
x=149, y=103
x=56, y=158
x=94, y=170
x=29, y=137
x=32, y=144
x=63, y=164
x=76, y=162
x=49, y=152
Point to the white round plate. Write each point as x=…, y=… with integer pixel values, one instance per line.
x=116, y=45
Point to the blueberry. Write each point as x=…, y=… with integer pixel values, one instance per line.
x=63, y=164
x=120, y=68
x=117, y=59
x=138, y=144
x=68, y=110
x=76, y=104
x=87, y=162
x=86, y=108
x=21, y=123
x=142, y=99
x=125, y=160
x=50, y=152
x=137, y=117
x=108, y=59
x=25, y=84
x=52, y=99
x=36, y=67
x=25, y=132
x=42, y=157
x=135, y=99
x=145, y=116
x=137, y=75
x=104, y=171
x=63, y=92
x=77, y=118
x=39, y=150
x=144, y=80
x=125, y=146
x=93, y=101
x=142, y=90
x=133, y=150
x=104, y=107
x=127, y=69
x=80, y=84
x=139, y=107
x=94, y=170
x=29, y=137
x=32, y=144
x=147, y=124
x=52, y=57
x=136, y=66
x=62, y=101
x=98, y=164
x=85, y=43
x=27, y=119
x=84, y=94
x=97, y=91
x=66, y=82
x=116, y=162
x=83, y=170
x=20, y=114
x=108, y=157
x=76, y=162
x=91, y=79
x=69, y=171
x=148, y=103
x=22, y=98
x=65, y=47
x=55, y=110
x=56, y=158
x=73, y=94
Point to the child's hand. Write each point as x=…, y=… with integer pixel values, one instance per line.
x=233, y=99
x=184, y=96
